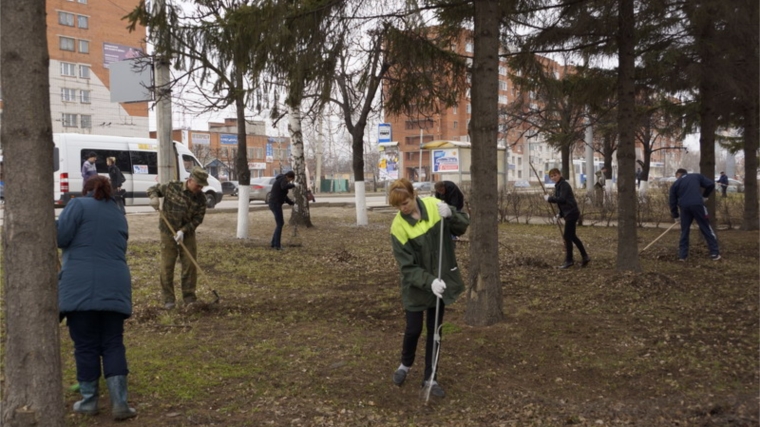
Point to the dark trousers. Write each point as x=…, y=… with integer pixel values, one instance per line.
x=412, y=335
x=723, y=189
x=571, y=238
x=98, y=335
x=276, y=209
x=696, y=213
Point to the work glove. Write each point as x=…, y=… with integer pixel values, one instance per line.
x=444, y=210
x=546, y=197
x=704, y=199
x=179, y=237
x=296, y=184
x=556, y=217
x=155, y=203
x=438, y=286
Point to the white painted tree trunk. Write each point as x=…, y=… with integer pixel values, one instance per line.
x=301, y=214
x=244, y=192
x=643, y=187
x=361, y=203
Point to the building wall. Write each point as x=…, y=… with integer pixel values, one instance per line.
x=104, y=25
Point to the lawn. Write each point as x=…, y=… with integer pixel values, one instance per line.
x=311, y=336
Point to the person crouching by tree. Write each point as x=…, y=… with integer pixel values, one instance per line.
x=415, y=239
x=450, y=193
x=568, y=209
x=184, y=209
x=95, y=293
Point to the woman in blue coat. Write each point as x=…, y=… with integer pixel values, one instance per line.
x=95, y=293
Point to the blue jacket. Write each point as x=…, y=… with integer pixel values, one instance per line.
x=94, y=274
x=687, y=191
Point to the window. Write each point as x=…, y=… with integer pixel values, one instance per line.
x=85, y=121
x=502, y=99
x=82, y=1
x=250, y=152
x=83, y=21
x=68, y=95
x=65, y=18
x=69, y=120
x=85, y=97
x=469, y=108
x=66, y=43
x=142, y=160
x=467, y=94
x=469, y=47
x=502, y=71
x=456, y=110
x=84, y=71
x=68, y=69
x=502, y=85
x=456, y=124
x=84, y=46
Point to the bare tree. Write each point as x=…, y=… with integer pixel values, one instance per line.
x=32, y=359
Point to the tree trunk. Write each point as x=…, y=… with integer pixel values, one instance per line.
x=301, y=214
x=751, y=125
x=241, y=162
x=357, y=145
x=32, y=392
x=627, y=250
x=484, y=302
x=566, y=161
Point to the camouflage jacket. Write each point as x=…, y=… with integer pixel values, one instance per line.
x=182, y=208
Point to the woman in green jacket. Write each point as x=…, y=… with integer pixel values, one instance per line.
x=416, y=238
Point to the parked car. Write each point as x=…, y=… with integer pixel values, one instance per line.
x=230, y=188
x=734, y=185
x=261, y=188
x=424, y=188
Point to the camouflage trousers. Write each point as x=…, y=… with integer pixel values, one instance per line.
x=170, y=250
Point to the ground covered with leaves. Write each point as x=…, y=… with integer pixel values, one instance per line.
x=310, y=336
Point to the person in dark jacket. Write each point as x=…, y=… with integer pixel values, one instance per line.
x=568, y=209
x=95, y=293
x=450, y=193
x=689, y=193
x=279, y=195
x=416, y=239
x=117, y=179
x=723, y=181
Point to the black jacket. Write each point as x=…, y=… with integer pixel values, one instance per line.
x=453, y=196
x=117, y=178
x=564, y=198
x=279, y=194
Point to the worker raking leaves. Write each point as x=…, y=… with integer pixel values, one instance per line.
x=430, y=276
x=183, y=211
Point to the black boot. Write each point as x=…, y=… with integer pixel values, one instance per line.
x=567, y=264
x=585, y=261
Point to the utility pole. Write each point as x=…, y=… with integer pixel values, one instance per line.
x=318, y=177
x=166, y=163
x=419, y=171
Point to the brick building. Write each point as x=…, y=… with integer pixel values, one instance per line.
x=83, y=37
x=217, y=149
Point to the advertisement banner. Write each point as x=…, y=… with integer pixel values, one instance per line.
x=228, y=139
x=200, y=138
x=384, y=132
x=446, y=160
x=113, y=52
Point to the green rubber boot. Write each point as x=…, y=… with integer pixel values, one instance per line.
x=89, y=403
x=117, y=389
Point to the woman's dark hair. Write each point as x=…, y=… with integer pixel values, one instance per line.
x=99, y=186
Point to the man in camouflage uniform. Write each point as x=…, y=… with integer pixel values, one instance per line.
x=184, y=208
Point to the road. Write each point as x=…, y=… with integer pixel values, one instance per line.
x=231, y=203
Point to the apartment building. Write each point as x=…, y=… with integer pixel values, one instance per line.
x=84, y=37
x=452, y=124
